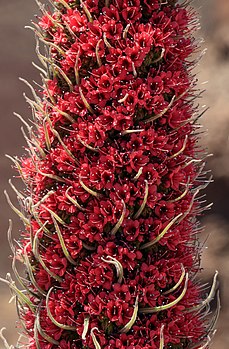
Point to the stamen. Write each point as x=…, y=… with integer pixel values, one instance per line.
x=166, y=306
x=164, y=231
x=130, y=323
x=120, y=221
x=55, y=322
x=141, y=208
x=118, y=265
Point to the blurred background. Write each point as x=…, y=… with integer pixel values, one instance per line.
x=17, y=52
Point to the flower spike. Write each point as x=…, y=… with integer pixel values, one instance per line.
x=113, y=170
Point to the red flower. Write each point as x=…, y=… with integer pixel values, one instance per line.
x=77, y=21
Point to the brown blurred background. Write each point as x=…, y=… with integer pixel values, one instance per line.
x=17, y=53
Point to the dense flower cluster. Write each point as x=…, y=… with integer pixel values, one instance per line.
x=112, y=180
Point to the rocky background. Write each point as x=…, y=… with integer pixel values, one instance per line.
x=17, y=53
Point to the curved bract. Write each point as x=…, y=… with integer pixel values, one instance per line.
x=112, y=175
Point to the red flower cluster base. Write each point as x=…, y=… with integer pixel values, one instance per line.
x=112, y=179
